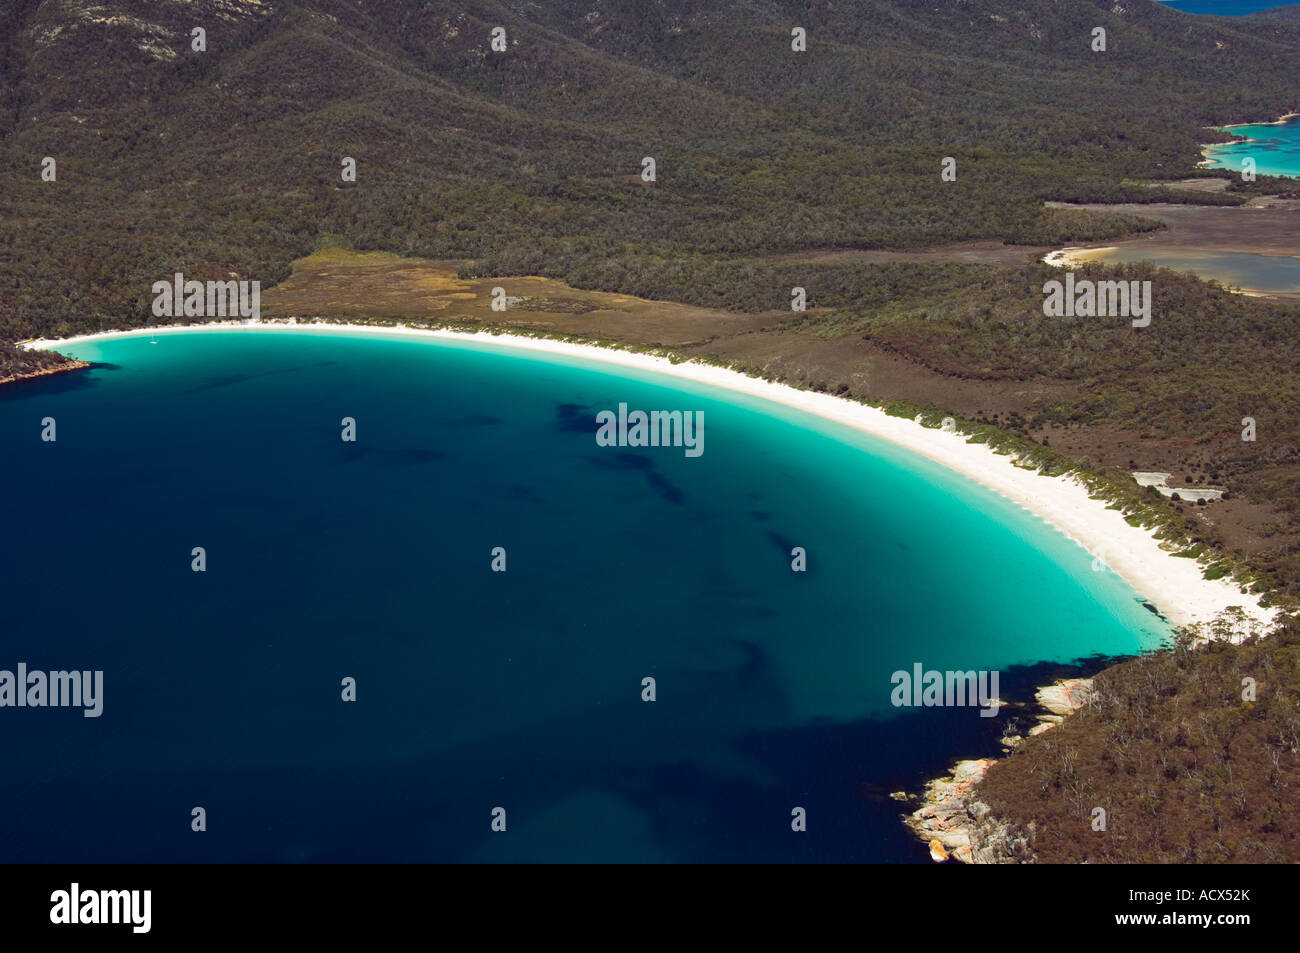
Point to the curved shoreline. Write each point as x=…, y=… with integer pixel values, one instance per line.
x=1174, y=585
x=1210, y=162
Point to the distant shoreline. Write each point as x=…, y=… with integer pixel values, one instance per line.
x=1174, y=585
x=1280, y=121
x=1208, y=160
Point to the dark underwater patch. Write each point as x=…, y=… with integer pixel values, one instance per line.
x=575, y=418
x=472, y=420
x=666, y=488
x=230, y=380
x=622, y=461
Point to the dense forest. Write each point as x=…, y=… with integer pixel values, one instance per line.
x=226, y=163
x=18, y=362
x=1190, y=752
x=1280, y=13
x=228, y=160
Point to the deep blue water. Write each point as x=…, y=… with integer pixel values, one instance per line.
x=1227, y=8
x=476, y=689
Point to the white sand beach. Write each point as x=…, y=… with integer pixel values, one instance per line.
x=1074, y=255
x=1280, y=121
x=1173, y=584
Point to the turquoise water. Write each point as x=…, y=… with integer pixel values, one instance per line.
x=476, y=689
x=1269, y=274
x=1275, y=149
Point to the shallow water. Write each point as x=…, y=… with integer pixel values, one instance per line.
x=1275, y=149
x=1266, y=274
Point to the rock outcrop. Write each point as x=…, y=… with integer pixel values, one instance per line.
x=959, y=826
x=952, y=819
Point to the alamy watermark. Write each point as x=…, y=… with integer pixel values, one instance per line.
x=76, y=906
x=179, y=298
x=658, y=428
x=1098, y=299
x=53, y=690
x=931, y=688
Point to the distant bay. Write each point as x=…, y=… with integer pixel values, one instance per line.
x=1274, y=147
x=1226, y=8
x=523, y=689
x=1258, y=274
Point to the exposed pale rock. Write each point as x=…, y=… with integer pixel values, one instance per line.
x=1065, y=696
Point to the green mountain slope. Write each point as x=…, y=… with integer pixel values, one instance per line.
x=228, y=160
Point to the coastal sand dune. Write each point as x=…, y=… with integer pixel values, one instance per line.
x=1174, y=585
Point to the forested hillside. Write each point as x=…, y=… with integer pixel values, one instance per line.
x=229, y=160
x=1190, y=766
x=1280, y=13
